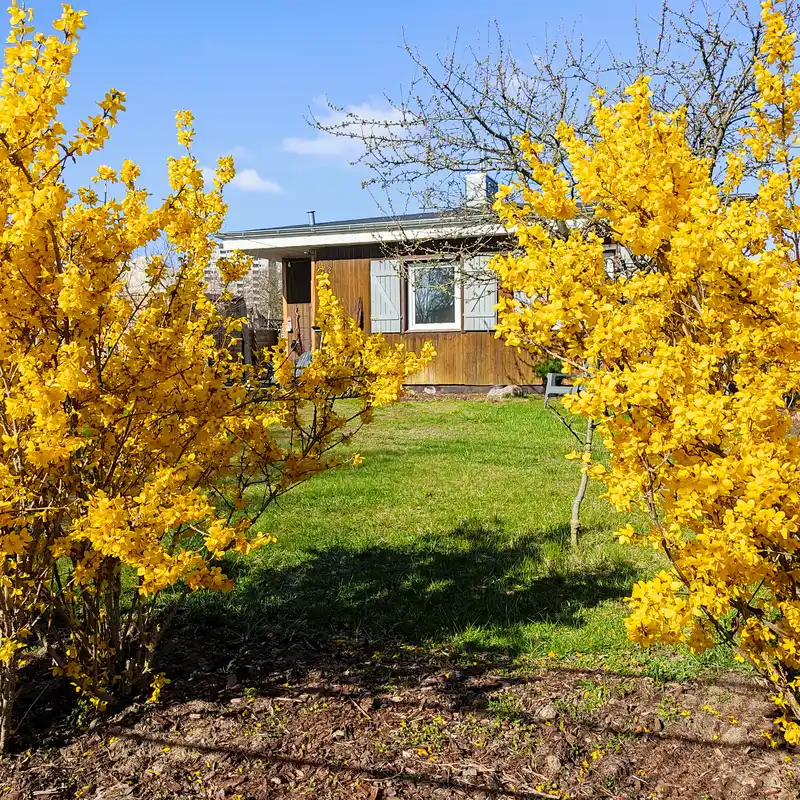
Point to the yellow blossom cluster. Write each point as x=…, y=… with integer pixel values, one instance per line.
x=688, y=348
x=136, y=449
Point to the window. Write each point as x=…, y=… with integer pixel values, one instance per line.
x=298, y=282
x=434, y=296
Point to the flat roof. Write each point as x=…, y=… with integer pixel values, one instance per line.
x=362, y=224
x=296, y=240
x=346, y=223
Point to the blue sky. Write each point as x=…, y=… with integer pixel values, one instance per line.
x=250, y=70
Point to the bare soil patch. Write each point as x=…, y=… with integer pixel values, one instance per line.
x=348, y=721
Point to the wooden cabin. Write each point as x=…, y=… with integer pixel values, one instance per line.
x=406, y=277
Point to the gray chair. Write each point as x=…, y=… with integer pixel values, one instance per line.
x=554, y=385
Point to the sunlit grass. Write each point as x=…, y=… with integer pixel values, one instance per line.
x=452, y=536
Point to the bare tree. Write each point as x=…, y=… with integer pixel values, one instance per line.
x=456, y=117
x=462, y=112
x=702, y=60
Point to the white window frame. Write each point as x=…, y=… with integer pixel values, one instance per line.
x=413, y=267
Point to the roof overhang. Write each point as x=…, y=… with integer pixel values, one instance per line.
x=297, y=242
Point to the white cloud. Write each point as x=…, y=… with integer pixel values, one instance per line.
x=208, y=176
x=248, y=180
x=323, y=144
x=351, y=121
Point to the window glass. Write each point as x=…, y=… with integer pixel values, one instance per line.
x=434, y=294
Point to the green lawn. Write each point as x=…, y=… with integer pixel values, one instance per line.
x=452, y=536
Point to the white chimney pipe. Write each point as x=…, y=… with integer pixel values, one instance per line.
x=311, y=219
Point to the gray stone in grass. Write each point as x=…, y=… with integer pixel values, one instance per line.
x=504, y=392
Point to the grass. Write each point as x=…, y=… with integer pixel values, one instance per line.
x=452, y=537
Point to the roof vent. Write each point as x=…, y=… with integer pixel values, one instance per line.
x=311, y=219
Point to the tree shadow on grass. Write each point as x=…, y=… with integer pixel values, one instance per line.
x=365, y=616
x=478, y=578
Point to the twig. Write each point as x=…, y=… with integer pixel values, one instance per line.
x=358, y=707
x=537, y=793
x=565, y=423
x=30, y=708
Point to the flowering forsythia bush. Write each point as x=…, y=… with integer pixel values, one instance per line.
x=135, y=452
x=689, y=348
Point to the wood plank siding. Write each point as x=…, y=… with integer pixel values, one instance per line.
x=469, y=358
x=349, y=276
x=463, y=358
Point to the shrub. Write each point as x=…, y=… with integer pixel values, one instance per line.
x=547, y=365
x=134, y=453
x=688, y=351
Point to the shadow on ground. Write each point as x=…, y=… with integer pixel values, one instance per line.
x=338, y=606
x=477, y=576
x=335, y=609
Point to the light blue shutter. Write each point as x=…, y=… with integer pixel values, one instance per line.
x=523, y=299
x=384, y=278
x=480, y=295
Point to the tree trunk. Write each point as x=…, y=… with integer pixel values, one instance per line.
x=575, y=521
x=7, y=693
